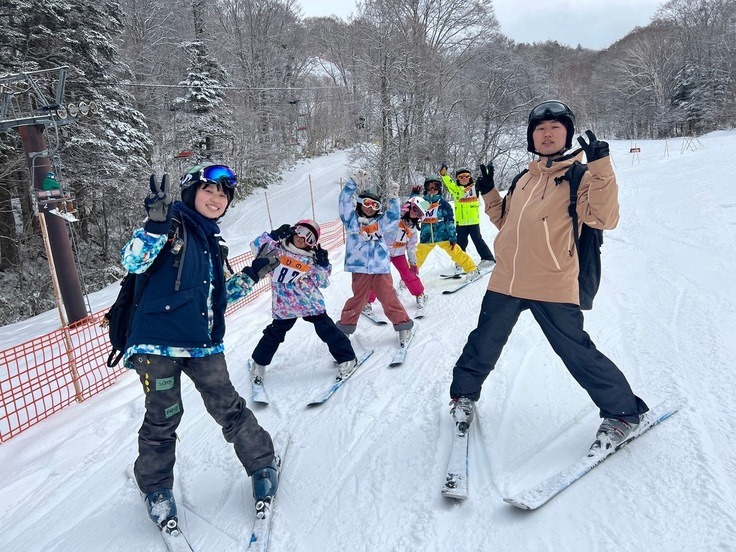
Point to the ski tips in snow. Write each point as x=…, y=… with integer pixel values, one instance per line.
x=456, y=478
x=544, y=491
x=258, y=391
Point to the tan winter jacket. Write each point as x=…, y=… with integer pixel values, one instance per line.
x=535, y=254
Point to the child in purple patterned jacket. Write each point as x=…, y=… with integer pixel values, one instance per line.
x=303, y=269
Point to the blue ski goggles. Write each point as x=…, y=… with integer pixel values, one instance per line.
x=217, y=174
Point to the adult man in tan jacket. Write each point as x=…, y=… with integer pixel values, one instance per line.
x=537, y=269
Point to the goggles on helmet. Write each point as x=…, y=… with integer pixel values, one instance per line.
x=303, y=232
x=370, y=203
x=217, y=174
x=549, y=109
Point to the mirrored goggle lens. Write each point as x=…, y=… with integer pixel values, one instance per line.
x=554, y=109
x=220, y=174
x=370, y=203
x=306, y=233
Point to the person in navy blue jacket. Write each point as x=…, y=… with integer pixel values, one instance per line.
x=178, y=327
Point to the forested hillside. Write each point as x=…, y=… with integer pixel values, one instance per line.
x=254, y=84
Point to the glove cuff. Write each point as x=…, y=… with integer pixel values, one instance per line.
x=157, y=226
x=250, y=273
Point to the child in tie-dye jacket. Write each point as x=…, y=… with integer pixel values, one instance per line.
x=303, y=269
x=367, y=255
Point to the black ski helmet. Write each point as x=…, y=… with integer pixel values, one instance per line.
x=212, y=173
x=551, y=110
x=432, y=178
x=368, y=193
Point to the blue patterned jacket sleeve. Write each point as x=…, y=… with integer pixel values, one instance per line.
x=238, y=286
x=140, y=252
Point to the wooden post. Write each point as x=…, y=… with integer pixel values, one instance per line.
x=311, y=196
x=268, y=210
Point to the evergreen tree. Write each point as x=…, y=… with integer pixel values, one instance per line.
x=202, y=116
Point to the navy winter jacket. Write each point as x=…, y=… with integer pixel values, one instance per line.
x=179, y=318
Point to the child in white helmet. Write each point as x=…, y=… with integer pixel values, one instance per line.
x=304, y=268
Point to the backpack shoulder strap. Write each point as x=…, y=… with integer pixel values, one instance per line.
x=573, y=176
x=511, y=190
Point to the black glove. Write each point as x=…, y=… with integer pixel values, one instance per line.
x=264, y=263
x=157, y=206
x=485, y=183
x=416, y=189
x=282, y=232
x=321, y=256
x=594, y=149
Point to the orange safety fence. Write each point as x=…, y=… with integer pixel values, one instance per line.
x=45, y=374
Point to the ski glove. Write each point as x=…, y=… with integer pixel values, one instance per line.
x=282, y=232
x=393, y=189
x=157, y=205
x=416, y=189
x=264, y=263
x=485, y=183
x=360, y=177
x=321, y=256
x=453, y=243
x=415, y=269
x=595, y=149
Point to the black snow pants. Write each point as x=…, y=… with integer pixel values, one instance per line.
x=562, y=324
x=275, y=333
x=481, y=246
x=161, y=379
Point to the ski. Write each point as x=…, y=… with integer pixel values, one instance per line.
x=171, y=532
x=398, y=358
x=456, y=480
x=261, y=533
x=461, y=286
x=258, y=391
x=483, y=272
x=332, y=389
x=539, y=494
x=453, y=276
x=373, y=318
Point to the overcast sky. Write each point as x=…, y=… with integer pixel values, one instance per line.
x=591, y=23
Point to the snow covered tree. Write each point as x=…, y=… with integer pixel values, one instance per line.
x=99, y=156
x=202, y=117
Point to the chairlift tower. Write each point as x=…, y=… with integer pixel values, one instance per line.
x=30, y=103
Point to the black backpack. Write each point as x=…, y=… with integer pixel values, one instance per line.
x=120, y=316
x=588, y=242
